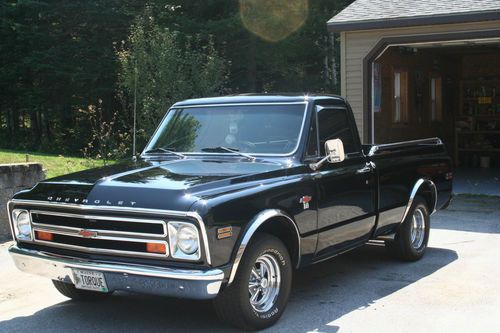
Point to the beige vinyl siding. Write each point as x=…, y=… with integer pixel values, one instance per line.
x=355, y=46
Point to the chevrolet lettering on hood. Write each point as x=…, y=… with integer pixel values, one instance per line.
x=92, y=202
x=229, y=197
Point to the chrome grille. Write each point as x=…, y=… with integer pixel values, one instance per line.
x=100, y=234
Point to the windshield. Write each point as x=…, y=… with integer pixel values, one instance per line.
x=252, y=129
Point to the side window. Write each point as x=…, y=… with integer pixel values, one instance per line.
x=334, y=124
x=312, y=141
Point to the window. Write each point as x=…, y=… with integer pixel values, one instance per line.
x=203, y=129
x=436, y=99
x=334, y=124
x=400, y=109
x=312, y=141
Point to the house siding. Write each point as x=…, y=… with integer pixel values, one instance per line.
x=355, y=46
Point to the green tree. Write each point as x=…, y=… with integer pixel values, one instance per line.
x=164, y=68
x=57, y=57
x=303, y=61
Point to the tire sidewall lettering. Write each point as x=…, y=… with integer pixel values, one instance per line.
x=268, y=314
x=274, y=310
x=278, y=255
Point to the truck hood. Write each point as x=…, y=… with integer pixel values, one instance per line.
x=169, y=185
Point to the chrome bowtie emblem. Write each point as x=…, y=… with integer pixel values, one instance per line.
x=87, y=233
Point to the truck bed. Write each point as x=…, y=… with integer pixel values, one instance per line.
x=399, y=166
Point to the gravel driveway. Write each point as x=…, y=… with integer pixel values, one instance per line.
x=454, y=288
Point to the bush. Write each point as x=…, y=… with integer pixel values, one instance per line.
x=108, y=141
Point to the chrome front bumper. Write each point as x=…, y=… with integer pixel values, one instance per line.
x=193, y=284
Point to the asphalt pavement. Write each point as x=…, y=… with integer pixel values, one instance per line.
x=454, y=288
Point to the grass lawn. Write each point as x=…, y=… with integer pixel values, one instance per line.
x=53, y=165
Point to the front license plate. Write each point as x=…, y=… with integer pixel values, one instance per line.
x=90, y=280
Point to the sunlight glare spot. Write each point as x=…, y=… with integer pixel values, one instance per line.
x=273, y=20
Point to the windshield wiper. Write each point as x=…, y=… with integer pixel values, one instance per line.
x=231, y=150
x=164, y=150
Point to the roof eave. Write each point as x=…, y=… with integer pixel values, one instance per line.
x=414, y=21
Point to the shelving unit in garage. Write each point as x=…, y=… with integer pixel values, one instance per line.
x=477, y=133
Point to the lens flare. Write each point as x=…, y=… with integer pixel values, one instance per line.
x=273, y=20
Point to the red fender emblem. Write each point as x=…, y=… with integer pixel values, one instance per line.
x=305, y=201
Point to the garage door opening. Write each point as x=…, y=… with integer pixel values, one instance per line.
x=446, y=89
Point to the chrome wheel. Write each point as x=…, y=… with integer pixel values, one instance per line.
x=264, y=283
x=417, y=231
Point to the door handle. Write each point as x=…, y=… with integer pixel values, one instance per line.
x=368, y=168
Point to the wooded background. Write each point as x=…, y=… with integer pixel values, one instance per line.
x=68, y=69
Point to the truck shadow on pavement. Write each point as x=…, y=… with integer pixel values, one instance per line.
x=321, y=294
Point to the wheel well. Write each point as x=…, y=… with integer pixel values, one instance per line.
x=281, y=229
x=428, y=191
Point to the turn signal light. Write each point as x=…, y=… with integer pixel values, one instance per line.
x=156, y=248
x=45, y=236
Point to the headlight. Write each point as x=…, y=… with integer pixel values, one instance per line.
x=184, y=240
x=22, y=224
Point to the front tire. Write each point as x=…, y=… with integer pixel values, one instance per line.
x=259, y=293
x=70, y=291
x=412, y=236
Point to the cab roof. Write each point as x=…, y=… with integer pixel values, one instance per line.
x=259, y=98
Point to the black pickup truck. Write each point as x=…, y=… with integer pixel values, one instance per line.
x=231, y=195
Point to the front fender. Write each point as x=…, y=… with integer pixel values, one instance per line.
x=261, y=218
x=240, y=209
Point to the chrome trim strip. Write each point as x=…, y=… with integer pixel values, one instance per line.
x=197, y=216
x=103, y=218
x=104, y=251
x=299, y=138
x=46, y=260
x=254, y=224
x=435, y=196
x=102, y=234
x=74, y=232
x=115, y=209
x=414, y=192
x=234, y=104
x=430, y=141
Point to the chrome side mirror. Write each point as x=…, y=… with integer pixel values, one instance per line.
x=334, y=150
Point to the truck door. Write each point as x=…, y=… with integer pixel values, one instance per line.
x=346, y=190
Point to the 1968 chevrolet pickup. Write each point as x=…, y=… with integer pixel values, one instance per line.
x=231, y=195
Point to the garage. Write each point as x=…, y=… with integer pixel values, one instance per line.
x=422, y=69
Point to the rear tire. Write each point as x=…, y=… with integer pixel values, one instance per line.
x=412, y=236
x=70, y=291
x=259, y=293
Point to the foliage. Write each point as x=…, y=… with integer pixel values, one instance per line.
x=108, y=141
x=165, y=70
x=55, y=165
x=304, y=61
x=58, y=56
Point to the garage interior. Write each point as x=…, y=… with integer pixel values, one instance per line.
x=445, y=89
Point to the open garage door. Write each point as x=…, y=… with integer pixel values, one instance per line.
x=449, y=89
